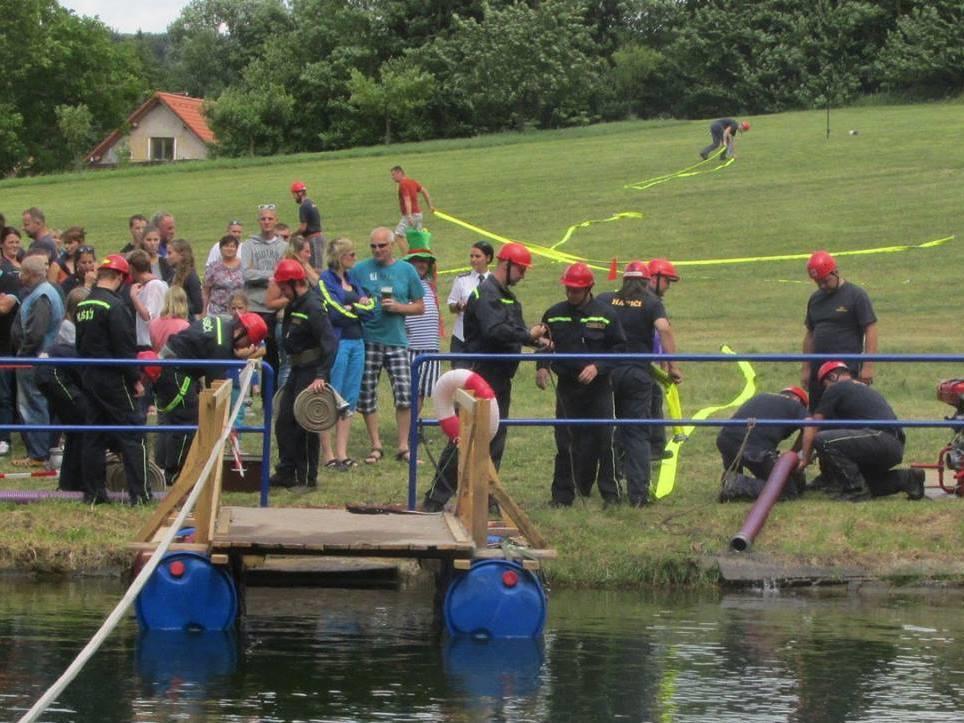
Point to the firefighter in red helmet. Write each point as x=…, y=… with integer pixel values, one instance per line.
x=105, y=330
x=493, y=324
x=662, y=275
x=309, y=225
x=582, y=325
x=213, y=337
x=840, y=320
x=310, y=342
x=857, y=462
x=641, y=314
x=755, y=450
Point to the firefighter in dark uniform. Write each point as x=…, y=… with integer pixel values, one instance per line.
x=640, y=312
x=105, y=330
x=857, y=462
x=840, y=320
x=311, y=347
x=582, y=325
x=212, y=337
x=755, y=450
x=493, y=324
x=662, y=274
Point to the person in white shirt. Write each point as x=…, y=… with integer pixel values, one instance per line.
x=147, y=294
x=480, y=256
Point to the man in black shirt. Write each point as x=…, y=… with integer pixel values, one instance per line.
x=582, y=325
x=756, y=449
x=105, y=330
x=640, y=312
x=857, y=461
x=309, y=225
x=840, y=320
x=493, y=325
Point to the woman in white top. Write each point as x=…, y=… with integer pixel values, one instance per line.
x=480, y=256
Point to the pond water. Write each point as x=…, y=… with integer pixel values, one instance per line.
x=354, y=655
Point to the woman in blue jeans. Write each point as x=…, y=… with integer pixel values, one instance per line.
x=347, y=305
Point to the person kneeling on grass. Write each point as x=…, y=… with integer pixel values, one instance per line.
x=755, y=448
x=857, y=462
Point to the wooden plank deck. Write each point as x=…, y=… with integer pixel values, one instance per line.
x=311, y=531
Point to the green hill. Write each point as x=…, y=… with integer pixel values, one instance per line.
x=898, y=181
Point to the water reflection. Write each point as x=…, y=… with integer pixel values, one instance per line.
x=364, y=655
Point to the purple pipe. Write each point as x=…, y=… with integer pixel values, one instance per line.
x=757, y=516
x=23, y=497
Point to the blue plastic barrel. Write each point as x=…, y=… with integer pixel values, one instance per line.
x=495, y=599
x=187, y=592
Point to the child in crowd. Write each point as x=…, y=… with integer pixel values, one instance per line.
x=239, y=305
x=424, y=330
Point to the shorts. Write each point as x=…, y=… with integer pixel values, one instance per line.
x=428, y=372
x=403, y=224
x=395, y=361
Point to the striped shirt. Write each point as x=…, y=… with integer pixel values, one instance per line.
x=423, y=329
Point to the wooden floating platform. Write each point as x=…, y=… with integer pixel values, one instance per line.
x=313, y=531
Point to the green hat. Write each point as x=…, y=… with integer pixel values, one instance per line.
x=420, y=245
x=425, y=254
x=419, y=239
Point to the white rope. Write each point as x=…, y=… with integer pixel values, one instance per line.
x=134, y=590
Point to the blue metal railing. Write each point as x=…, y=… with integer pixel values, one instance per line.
x=264, y=429
x=421, y=359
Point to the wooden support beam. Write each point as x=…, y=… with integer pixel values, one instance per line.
x=512, y=510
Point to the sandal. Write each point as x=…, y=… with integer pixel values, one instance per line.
x=374, y=456
x=332, y=463
x=346, y=464
x=403, y=455
x=27, y=462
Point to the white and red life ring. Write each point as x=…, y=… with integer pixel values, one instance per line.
x=443, y=396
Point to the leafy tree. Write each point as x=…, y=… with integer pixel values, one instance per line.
x=520, y=65
x=771, y=55
x=75, y=123
x=13, y=150
x=59, y=60
x=634, y=68
x=213, y=41
x=251, y=121
x=399, y=96
x=925, y=52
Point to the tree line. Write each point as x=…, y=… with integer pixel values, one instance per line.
x=310, y=75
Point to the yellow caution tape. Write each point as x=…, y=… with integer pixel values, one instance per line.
x=667, y=470
x=552, y=254
x=792, y=257
x=585, y=224
x=693, y=170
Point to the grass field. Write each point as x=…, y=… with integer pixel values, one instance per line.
x=900, y=180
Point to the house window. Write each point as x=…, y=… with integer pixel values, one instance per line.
x=162, y=149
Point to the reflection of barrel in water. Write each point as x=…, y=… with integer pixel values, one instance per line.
x=495, y=669
x=178, y=663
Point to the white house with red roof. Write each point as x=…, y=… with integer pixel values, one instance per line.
x=167, y=127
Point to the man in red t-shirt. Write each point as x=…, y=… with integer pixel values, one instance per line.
x=408, y=190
